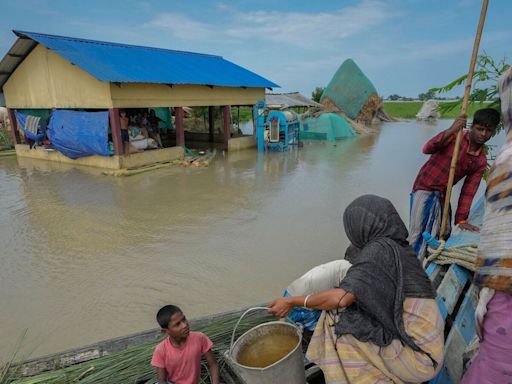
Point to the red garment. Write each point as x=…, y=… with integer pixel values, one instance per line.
x=183, y=365
x=433, y=175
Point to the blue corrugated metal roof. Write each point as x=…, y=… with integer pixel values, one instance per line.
x=129, y=63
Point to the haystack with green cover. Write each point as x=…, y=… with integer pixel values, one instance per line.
x=353, y=95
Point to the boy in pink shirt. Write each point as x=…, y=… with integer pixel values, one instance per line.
x=178, y=357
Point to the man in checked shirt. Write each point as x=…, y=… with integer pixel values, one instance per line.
x=429, y=189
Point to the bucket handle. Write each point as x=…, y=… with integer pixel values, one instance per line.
x=238, y=323
x=240, y=319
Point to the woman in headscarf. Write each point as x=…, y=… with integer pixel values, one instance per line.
x=493, y=363
x=382, y=324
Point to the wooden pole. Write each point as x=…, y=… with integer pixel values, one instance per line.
x=464, y=108
x=180, y=128
x=115, y=128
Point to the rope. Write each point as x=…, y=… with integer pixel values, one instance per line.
x=464, y=255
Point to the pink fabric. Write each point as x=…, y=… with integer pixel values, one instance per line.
x=493, y=364
x=183, y=365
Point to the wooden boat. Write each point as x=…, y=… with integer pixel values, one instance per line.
x=86, y=360
x=456, y=297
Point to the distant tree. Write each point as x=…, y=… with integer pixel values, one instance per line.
x=394, y=97
x=317, y=94
x=427, y=95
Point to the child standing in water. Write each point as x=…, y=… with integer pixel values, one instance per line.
x=124, y=121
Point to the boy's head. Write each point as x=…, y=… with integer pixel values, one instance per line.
x=173, y=322
x=484, y=125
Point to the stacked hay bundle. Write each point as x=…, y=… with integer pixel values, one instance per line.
x=352, y=95
x=429, y=111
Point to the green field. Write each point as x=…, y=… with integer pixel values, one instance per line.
x=399, y=109
x=409, y=109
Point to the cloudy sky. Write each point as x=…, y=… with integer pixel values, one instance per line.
x=403, y=46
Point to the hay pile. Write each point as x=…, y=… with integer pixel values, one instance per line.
x=352, y=95
x=429, y=110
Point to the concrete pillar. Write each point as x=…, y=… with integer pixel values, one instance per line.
x=115, y=128
x=227, y=125
x=14, y=126
x=180, y=128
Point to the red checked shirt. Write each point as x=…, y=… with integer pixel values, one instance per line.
x=433, y=175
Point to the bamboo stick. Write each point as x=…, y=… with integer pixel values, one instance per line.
x=464, y=108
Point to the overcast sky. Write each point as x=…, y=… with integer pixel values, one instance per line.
x=403, y=46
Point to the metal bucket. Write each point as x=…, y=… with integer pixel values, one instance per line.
x=287, y=369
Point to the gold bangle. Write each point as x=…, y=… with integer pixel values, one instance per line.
x=306, y=301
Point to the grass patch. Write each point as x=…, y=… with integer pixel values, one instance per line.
x=5, y=138
x=403, y=109
x=409, y=109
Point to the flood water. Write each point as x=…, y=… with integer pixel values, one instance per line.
x=87, y=257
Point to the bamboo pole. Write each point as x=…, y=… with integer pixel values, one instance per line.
x=464, y=108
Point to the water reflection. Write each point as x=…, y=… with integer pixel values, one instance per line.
x=87, y=257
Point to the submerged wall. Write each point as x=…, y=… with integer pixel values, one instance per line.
x=134, y=160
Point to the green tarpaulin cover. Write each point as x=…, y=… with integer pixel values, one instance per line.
x=349, y=89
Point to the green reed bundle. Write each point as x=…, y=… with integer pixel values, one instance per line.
x=132, y=365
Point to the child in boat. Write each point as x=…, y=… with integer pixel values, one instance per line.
x=429, y=189
x=178, y=357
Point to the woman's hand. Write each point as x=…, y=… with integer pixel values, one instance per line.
x=280, y=307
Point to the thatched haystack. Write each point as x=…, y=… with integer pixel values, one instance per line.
x=429, y=110
x=351, y=94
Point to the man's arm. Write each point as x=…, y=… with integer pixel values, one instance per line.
x=213, y=367
x=467, y=193
x=444, y=138
x=161, y=375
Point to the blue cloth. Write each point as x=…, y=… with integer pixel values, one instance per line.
x=426, y=211
x=125, y=137
x=306, y=317
x=21, y=117
x=78, y=134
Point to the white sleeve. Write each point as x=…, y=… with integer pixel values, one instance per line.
x=320, y=278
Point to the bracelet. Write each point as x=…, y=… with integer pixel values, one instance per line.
x=306, y=301
x=462, y=222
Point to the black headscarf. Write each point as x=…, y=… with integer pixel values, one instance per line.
x=384, y=271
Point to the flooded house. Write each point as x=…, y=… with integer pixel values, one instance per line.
x=65, y=97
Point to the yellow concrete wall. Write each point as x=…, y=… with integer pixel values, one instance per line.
x=135, y=95
x=239, y=143
x=46, y=80
x=134, y=160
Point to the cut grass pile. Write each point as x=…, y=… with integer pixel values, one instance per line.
x=133, y=364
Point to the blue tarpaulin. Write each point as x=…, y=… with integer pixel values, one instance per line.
x=78, y=134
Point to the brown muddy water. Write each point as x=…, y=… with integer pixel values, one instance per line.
x=85, y=257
